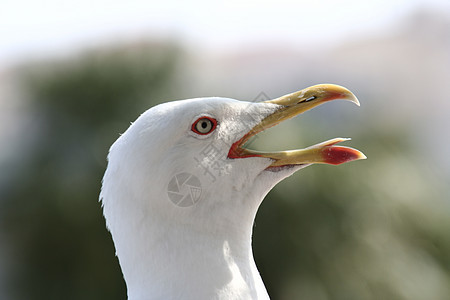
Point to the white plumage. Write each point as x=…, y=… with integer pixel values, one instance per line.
x=200, y=250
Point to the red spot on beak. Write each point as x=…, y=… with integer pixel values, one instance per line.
x=336, y=155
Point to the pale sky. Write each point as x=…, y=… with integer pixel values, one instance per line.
x=47, y=27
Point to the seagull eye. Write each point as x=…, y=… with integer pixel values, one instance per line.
x=204, y=125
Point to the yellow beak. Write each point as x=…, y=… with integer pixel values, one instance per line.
x=290, y=106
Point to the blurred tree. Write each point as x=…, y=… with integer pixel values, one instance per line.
x=51, y=215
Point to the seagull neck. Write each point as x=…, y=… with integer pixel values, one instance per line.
x=201, y=252
x=178, y=262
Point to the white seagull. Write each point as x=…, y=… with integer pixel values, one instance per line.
x=181, y=192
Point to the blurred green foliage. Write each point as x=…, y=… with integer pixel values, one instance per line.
x=376, y=229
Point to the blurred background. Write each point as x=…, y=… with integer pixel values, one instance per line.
x=74, y=74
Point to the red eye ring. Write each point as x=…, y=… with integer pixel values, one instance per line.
x=204, y=125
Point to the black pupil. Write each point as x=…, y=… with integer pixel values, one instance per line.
x=204, y=124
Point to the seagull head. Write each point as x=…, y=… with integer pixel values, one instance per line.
x=182, y=189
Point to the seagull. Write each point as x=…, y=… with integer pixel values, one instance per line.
x=182, y=188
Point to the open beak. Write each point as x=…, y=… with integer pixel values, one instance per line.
x=290, y=106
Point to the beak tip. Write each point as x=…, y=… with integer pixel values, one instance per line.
x=336, y=92
x=361, y=156
x=355, y=100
